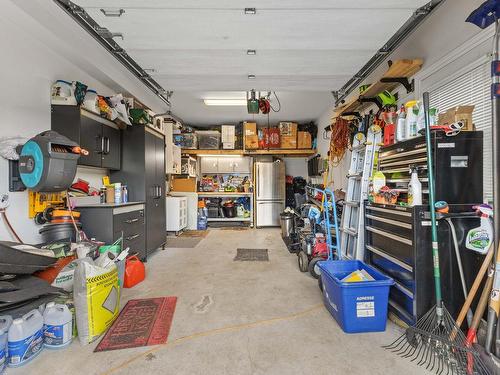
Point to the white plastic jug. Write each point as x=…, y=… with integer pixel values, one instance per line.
x=25, y=338
x=57, y=328
x=5, y=322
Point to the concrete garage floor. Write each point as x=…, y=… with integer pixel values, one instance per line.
x=235, y=318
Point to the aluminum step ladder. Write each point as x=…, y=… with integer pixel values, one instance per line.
x=352, y=229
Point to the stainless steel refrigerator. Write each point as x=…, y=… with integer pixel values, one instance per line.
x=269, y=193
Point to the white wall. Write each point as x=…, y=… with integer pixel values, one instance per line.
x=30, y=62
x=296, y=167
x=440, y=41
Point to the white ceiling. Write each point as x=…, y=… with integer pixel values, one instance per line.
x=305, y=48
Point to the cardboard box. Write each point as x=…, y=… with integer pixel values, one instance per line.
x=461, y=113
x=228, y=136
x=251, y=142
x=288, y=133
x=304, y=140
x=250, y=128
x=184, y=184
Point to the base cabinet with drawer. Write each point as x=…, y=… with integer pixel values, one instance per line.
x=108, y=223
x=398, y=243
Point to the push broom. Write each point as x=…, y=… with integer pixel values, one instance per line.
x=435, y=341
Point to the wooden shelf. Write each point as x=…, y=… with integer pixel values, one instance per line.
x=212, y=152
x=222, y=194
x=228, y=219
x=291, y=152
x=399, y=69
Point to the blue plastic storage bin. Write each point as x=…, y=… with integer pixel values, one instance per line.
x=357, y=306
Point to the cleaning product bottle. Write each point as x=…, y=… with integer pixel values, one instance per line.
x=25, y=340
x=401, y=125
x=411, y=119
x=57, y=326
x=479, y=239
x=414, y=188
x=5, y=322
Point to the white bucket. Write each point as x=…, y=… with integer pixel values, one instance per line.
x=25, y=338
x=58, y=327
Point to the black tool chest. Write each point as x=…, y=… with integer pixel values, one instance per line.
x=398, y=238
x=398, y=243
x=458, y=166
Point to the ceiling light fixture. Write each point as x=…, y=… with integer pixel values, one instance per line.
x=225, y=102
x=251, y=76
x=113, y=12
x=251, y=52
x=250, y=10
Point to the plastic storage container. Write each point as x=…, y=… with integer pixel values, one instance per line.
x=57, y=326
x=90, y=101
x=208, y=139
x=5, y=322
x=356, y=306
x=25, y=338
x=186, y=140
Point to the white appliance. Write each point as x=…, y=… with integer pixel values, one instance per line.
x=269, y=193
x=176, y=213
x=192, y=207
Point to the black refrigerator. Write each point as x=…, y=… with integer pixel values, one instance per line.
x=143, y=171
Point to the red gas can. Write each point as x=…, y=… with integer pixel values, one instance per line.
x=135, y=272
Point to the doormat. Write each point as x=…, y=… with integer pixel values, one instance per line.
x=251, y=255
x=194, y=233
x=142, y=322
x=182, y=242
x=235, y=228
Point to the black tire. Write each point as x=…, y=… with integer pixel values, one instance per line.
x=320, y=284
x=313, y=268
x=303, y=261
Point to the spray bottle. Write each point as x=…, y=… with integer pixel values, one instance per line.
x=479, y=239
x=401, y=125
x=414, y=188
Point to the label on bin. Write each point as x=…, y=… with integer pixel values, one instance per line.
x=366, y=308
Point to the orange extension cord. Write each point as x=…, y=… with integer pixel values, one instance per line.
x=339, y=141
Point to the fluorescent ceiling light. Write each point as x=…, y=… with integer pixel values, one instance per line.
x=225, y=102
x=251, y=76
x=250, y=10
x=251, y=52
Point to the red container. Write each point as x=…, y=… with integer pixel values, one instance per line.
x=135, y=272
x=389, y=130
x=274, y=138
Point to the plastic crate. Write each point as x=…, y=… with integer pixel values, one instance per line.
x=356, y=306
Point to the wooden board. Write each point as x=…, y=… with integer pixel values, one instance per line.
x=404, y=68
x=289, y=152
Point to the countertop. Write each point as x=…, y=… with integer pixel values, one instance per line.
x=108, y=205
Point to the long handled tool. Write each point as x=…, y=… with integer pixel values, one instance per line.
x=484, y=16
x=435, y=341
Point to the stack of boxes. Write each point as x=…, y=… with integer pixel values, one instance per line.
x=285, y=136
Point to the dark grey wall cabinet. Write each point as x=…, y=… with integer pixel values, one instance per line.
x=92, y=132
x=108, y=223
x=143, y=171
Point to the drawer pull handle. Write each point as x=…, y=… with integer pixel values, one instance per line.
x=389, y=221
x=390, y=235
x=130, y=238
x=389, y=211
x=130, y=221
x=379, y=252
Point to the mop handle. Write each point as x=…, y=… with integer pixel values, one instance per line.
x=430, y=172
